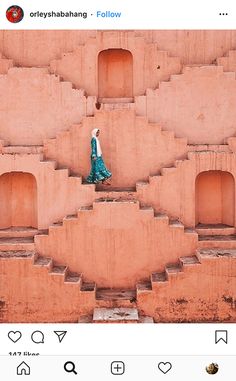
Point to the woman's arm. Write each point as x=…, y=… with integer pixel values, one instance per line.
x=94, y=149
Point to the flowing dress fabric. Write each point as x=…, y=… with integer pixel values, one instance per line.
x=98, y=171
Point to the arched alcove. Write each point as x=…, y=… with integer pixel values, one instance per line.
x=115, y=74
x=18, y=200
x=215, y=198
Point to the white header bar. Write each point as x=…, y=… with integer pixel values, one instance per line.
x=149, y=14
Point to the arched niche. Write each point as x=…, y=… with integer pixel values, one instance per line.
x=115, y=74
x=18, y=200
x=215, y=198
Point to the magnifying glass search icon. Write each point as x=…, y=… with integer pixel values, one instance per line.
x=69, y=367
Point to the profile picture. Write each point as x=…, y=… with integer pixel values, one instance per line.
x=212, y=368
x=14, y=14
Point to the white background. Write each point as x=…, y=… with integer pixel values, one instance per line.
x=148, y=14
x=158, y=340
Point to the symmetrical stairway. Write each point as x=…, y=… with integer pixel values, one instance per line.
x=115, y=304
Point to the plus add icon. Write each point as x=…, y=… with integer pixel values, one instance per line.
x=117, y=368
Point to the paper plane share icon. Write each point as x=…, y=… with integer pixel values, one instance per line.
x=60, y=335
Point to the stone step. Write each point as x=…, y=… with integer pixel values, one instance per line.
x=108, y=189
x=22, y=149
x=144, y=286
x=70, y=217
x=188, y=261
x=176, y=224
x=108, y=294
x=146, y=320
x=59, y=270
x=216, y=253
x=21, y=232
x=162, y=216
x=17, y=244
x=115, y=315
x=117, y=106
x=85, y=319
x=217, y=241
x=173, y=269
x=159, y=277
x=208, y=147
x=73, y=278
x=88, y=287
x=167, y=170
x=141, y=184
x=116, y=100
x=52, y=164
x=17, y=254
x=43, y=261
x=214, y=230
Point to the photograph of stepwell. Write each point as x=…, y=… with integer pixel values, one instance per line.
x=117, y=176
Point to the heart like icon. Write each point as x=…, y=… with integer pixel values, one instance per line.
x=14, y=336
x=164, y=367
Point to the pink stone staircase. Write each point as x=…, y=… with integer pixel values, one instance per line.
x=216, y=236
x=174, y=270
x=18, y=239
x=58, y=273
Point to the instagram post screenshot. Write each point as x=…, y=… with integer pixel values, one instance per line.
x=117, y=190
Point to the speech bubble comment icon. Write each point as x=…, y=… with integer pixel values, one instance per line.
x=37, y=337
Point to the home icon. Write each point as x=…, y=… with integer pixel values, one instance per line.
x=23, y=369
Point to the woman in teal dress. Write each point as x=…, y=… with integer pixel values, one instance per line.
x=98, y=172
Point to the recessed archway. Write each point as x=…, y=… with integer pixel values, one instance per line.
x=115, y=74
x=215, y=198
x=18, y=200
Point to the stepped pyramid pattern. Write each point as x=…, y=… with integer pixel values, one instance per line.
x=159, y=244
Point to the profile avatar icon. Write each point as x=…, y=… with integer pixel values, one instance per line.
x=14, y=14
x=212, y=368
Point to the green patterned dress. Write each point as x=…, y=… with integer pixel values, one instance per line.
x=98, y=172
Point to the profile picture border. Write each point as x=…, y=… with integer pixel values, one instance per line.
x=10, y=18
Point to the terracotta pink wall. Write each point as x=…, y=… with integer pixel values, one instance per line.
x=174, y=190
x=132, y=148
x=115, y=251
x=38, y=48
x=29, y=293
x=203, y=293
x=188, y=105
x=195, y=46
x=43, y=106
